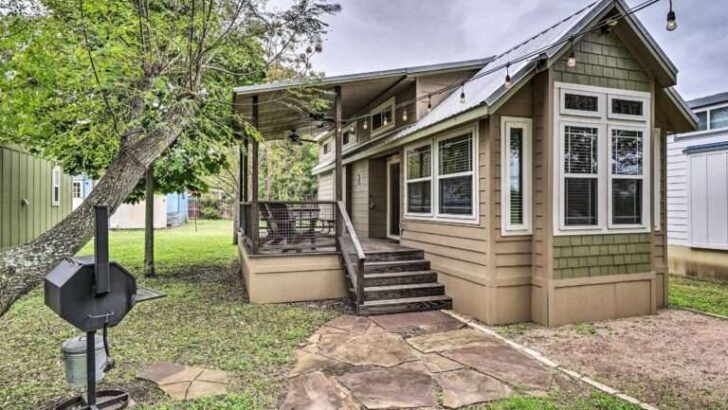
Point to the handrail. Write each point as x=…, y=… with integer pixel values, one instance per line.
x=350, y=227
x=357, y=277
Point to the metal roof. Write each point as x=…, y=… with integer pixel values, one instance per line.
x=708, y=100
x=372, y=75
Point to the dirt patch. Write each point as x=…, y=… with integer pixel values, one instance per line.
x=674, y=360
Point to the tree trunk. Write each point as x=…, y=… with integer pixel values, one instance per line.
x=22, y=268
x=149, y=223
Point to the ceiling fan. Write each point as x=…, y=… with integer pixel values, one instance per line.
x=296, y=139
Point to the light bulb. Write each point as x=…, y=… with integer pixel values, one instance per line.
x=352, y=129
x=462, y=96
x=509, y=83
x=384, y=121
x=571, y=62
x=404, y=114
x=366, y=123
x=671, y=21
x=429, y=103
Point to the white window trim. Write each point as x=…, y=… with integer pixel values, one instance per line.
x=78, y=184
x=603, y=124
x=628, y=117
x=507, y=123
x=435, y=214
x=377, y=109
x=56, y=183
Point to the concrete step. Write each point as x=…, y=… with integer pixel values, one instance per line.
x=380, y=307
x=399, y=278
x=397, y=266
x=403, y=291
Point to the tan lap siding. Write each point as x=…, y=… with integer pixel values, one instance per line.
x=326, y=186
x=360, y=197
x=458, y=252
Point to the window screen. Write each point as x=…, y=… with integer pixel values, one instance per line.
x=419, y=183
x=456, y=175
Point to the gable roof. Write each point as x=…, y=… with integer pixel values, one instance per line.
x=486, y=88
x=708, y=100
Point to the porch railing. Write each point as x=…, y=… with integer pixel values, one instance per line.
x=352, y=254
x=289, y=226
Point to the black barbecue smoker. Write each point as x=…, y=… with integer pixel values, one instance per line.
x=94, y=294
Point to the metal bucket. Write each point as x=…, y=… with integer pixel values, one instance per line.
x=74, y=359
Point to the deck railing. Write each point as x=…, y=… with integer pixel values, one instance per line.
x=352, y=254
x=289, y=226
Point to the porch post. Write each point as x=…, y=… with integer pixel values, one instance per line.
x=338, y=137
x=254, y=212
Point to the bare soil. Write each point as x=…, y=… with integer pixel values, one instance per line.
x=674, y=360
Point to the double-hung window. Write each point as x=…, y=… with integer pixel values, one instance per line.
x=627, y=175
x=515, y=175
x=383, y=117
x=441, y=177
x=419, y=180
x=455, y=175
x=603, y=160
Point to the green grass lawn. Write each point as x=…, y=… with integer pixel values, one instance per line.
x=204, y=320
x=704, y=295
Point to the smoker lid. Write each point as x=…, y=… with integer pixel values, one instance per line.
x=77, y=345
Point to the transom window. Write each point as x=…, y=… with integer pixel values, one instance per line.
x=447, y=190
x=603, y=163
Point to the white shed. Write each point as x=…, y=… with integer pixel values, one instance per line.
x=697, y=193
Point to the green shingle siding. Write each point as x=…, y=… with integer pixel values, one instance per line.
x=594, y=255
x=603, y=61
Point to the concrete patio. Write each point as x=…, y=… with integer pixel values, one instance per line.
x=411, y=360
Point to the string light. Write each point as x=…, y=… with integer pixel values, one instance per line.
x=462, y=95
x=671, y=19
x=611, y=22
x=352, y=129
x=571, y=62
x=385, y=121
x=404, y=114
x=508, y=83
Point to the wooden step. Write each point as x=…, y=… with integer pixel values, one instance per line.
x=403, y=291
x=399, y=278
x=396, y=266
x=380, y=307
x=395, y=255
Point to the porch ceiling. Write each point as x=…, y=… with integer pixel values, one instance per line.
x=281, y=110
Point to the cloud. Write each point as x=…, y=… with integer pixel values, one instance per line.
x=372, y=35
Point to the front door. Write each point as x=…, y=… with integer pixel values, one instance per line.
x=393, y=211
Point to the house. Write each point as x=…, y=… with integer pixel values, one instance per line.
x=697, y=192
x=169, y=210
x=35, y=194
x=527, y=186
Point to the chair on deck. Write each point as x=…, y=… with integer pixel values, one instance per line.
x=280, y=223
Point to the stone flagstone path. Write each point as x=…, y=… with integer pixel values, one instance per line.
x=186, y=382
x=408, y=360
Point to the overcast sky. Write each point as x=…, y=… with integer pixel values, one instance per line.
x=371, y=35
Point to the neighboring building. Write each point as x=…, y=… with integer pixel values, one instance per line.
x=169, y=210
x=34, y=196
x=541, y=198
x=697, y=192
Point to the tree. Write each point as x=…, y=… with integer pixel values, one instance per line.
x=111, y=85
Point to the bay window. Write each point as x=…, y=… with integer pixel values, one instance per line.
x=603, y=162
x=515, y=176
x=440, y=177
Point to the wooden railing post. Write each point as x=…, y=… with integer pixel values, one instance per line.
x=254, y=211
